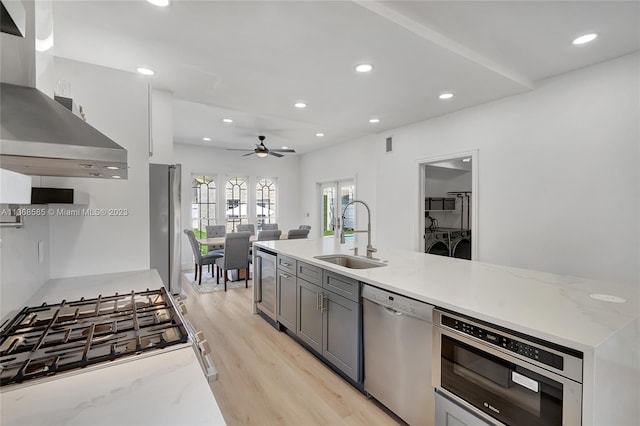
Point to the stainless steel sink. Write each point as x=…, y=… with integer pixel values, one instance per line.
x=352, y=262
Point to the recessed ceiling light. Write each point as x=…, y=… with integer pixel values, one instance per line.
x=206, y=139
x=113, y=167
x=227, y=120
x=300, y=105
x=466, y=160
x=146, y=71
x=364, y=68
x=116, y=177
x=319, y=135
x=585, y=38
x=159, y=3
x=285, y=147
x=374, y=120
x=445, y=95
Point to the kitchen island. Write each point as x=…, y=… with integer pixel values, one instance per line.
x=165, y=389
x=577, y=313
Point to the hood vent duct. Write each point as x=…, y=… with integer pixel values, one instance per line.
x=12, y=18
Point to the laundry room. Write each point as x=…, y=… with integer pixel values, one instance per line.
x=448, y=207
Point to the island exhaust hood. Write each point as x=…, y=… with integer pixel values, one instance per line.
x=38, y=135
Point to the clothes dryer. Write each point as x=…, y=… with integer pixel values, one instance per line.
x=436, y=242
x=460, y=244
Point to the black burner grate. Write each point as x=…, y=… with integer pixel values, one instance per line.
x=49, y=339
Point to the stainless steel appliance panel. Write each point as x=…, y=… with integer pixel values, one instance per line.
x=397, y=351
x=266, y=282
x=165, y=224
x=509, y=377
x=451, y=413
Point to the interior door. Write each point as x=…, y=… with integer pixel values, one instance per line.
x=335, y=196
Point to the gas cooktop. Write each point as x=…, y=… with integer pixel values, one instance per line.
x=50, y=339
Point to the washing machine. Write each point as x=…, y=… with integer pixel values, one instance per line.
x=460, y=244
x=436, y=242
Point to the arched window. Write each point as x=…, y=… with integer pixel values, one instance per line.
x=203, y=203
x=266, y=201
x=236, y=196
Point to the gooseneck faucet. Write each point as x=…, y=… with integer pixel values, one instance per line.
x=370, y=249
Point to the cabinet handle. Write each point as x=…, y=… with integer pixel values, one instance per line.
x=286, y=264
x=322, y=306
x=317, y=301
x=285, y=275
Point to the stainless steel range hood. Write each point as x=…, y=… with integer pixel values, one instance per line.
x=39, y=136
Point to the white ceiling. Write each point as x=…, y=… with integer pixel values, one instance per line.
x=252, y=60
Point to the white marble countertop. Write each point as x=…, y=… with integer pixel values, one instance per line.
x=552, y=307
x=57, y=289
x=165, y=389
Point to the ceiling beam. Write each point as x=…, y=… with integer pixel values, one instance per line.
x=443, y=41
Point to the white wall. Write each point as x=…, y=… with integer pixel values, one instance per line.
x=115, y=103
x=356, y=160
x=162, y=127
x=222, y=164
x=558, y=174
x=21, y=274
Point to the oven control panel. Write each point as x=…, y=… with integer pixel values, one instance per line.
x=520, y=347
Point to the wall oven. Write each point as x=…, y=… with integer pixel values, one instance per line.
x=502, y=376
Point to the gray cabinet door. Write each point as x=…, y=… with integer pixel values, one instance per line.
x=309, y=328
x=341, y=337
x=287, y=300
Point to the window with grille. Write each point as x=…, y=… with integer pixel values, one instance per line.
x=266, y=201
x=236, y=199
x=203, y=203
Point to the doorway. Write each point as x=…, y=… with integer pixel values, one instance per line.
x=448, y=203
x=334, y=196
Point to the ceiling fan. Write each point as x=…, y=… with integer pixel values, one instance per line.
x=262, y=151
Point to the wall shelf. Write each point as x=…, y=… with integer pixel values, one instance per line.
x=439, y=204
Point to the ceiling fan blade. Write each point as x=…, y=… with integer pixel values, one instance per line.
x=283, y=150
x=251, y=153
x=238, y=149
x=275, y=154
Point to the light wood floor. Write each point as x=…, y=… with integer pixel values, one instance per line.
x=265, y=377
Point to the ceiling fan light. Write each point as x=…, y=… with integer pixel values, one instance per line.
x=261, y=154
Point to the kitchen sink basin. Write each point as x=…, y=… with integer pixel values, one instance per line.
x=352, y=262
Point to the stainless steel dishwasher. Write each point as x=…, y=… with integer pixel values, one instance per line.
x=397, y=354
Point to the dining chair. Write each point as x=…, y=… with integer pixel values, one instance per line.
x=236, y=256
x=216, y=231
x=247, y=227
x=269, y=234
x=265, y=235
x=304, y=227
x=199, y=259
x=295, y=234
x=269, y=226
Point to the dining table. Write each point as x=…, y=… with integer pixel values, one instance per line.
x=219, y=241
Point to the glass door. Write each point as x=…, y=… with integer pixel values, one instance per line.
x=335, y=196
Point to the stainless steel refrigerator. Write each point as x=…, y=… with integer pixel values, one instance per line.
x=165, y=224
